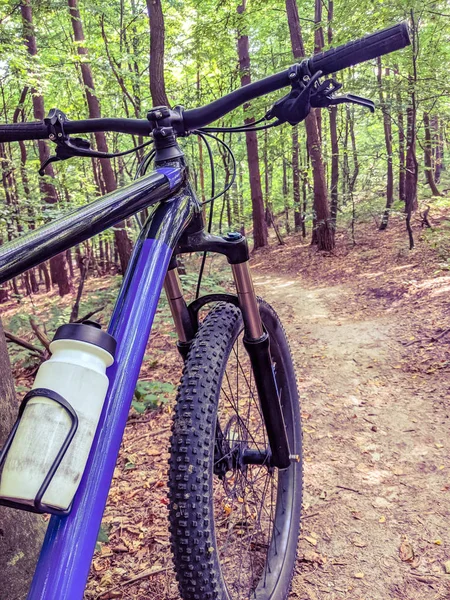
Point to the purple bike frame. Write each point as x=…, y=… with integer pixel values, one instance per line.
x=69, y=544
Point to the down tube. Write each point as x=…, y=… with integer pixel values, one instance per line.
x=69, y=544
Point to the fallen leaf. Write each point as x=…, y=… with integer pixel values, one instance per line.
x=312, y=557
x=311, y=540
x=447, y=566
x=359, y=575
x=406, y=551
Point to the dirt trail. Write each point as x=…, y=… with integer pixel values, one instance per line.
x=376, y=443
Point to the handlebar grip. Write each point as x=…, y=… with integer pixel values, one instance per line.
x=373, y=45
x=23, y=131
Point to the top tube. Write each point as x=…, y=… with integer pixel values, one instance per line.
x=83, y=223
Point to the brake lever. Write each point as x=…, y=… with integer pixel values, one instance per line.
x=352, y=99
x=66, y=147
x=295, y=106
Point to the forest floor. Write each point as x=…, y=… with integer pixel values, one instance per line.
x=374, y=385
x=369, y=328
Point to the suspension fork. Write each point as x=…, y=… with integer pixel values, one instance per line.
x=256, y=339
x=257, y=343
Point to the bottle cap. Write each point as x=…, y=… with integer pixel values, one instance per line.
x=89, y=332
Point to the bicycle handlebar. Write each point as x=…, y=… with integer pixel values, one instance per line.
x=39, y=131
x=368, y=47
x=373, y=45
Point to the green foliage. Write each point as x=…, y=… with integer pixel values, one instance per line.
x=200, y=65
x=103, y=536
x=151, y=395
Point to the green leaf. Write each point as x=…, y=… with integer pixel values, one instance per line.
x=138, y=407
x=103, y=534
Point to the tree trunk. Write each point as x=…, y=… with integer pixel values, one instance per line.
x=285, y=189
x=411, y=159
x=156, y=66
x=58, y=264
x=388, y=142
x=323, y=233
x=401, y=147
x=260, y=235
x=304, y=174
x=333, y=135
x=438, y=144
x=319, y=43
x=428, y=154
x=296, y=180
x=21, y=533
x=123, y=242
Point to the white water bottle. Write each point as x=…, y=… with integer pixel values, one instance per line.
x=77, y=372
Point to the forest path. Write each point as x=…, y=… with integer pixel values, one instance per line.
x=376, y=450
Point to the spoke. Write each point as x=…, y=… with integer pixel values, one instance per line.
x=248, y=534
x=240, y=419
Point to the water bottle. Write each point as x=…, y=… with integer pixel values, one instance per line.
x=77, y=372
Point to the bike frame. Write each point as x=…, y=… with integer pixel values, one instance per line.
x=69, y=544
x=175, y=225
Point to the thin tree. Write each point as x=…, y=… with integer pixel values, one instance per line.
x=428, y=156
x=411, y=159
x=260, y=235
x=333, y=135
x=58, y=264
x=388, y=142
x=122, y=240
x=156, y=65
x=323, y=233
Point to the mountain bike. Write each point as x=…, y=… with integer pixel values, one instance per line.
x=235, y=476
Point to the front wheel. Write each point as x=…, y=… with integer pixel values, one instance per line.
x=234, y=519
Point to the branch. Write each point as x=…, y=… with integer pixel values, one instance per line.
x=21, y=342
x=40, y=334
x=89, y=315
x=114, y=70
x=147, y=573
x=19, y=108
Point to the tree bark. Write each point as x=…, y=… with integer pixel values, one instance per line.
x=122, y=240
x=319, y=43
x=286, y=196
x=411, y=171
x=411, y=159
x=21, y=533
x=437, y=126
x=388, y=142
x=427, y=156
x=260, y=234
x=156, y=66
x=401, y=145
x=304, y=174
x=58, y=264
x=323, y=232
x=334, y=188
x=296, y=180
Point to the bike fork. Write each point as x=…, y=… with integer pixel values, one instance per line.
x=256, y=339
x=257, y=344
